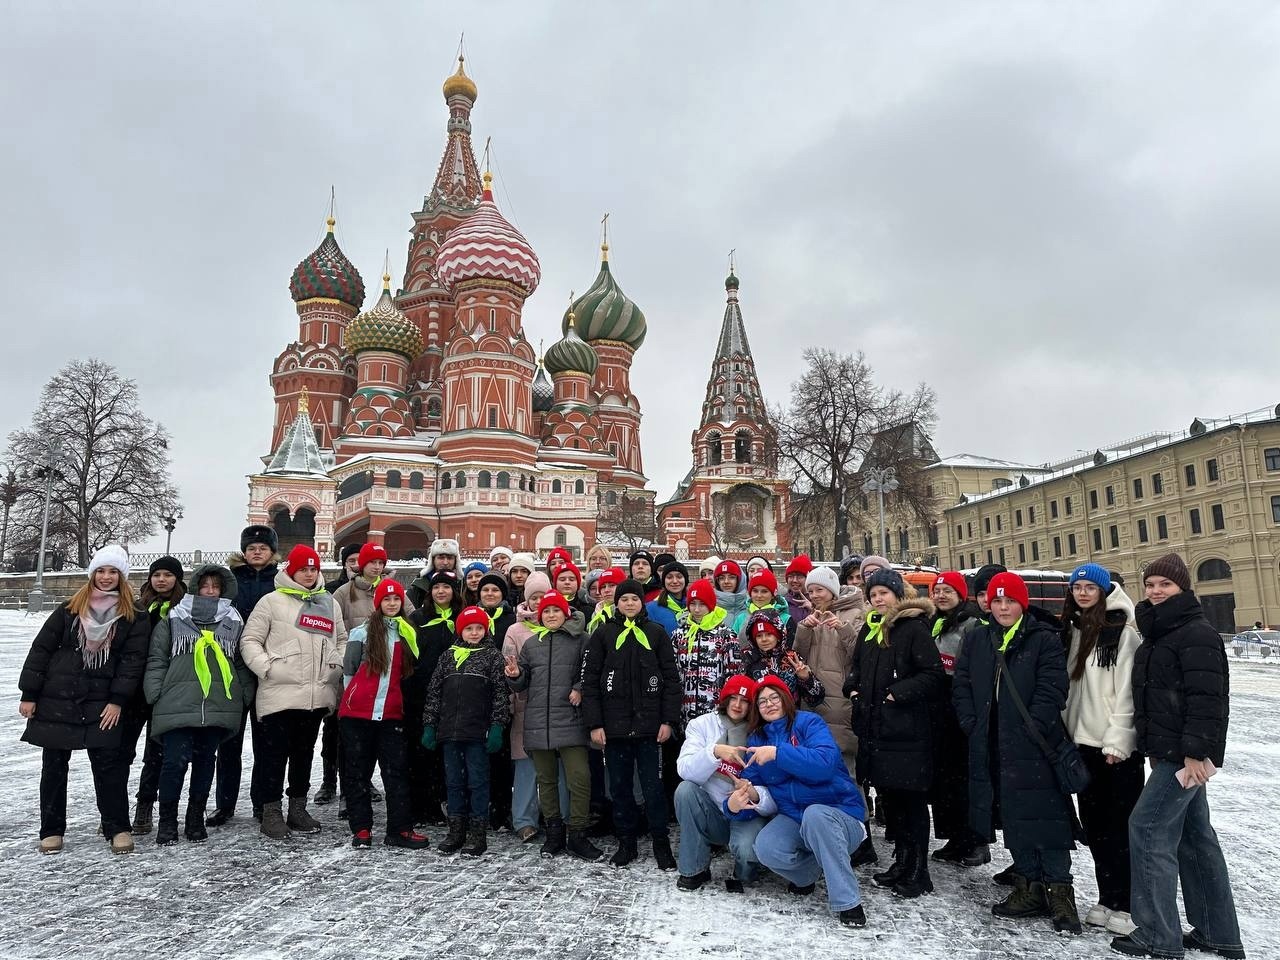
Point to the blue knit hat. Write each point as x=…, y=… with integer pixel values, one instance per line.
x=1095, y=574
x=484, y=567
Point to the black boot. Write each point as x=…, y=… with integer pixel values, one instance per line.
x=456, y=836
x=662, y=853
x=1062, y=907
x=887, y=878
x=866, y=853
x=1025, y=900
x=951, y=852
x=477, y=838
x=1008, y=877
x=695, y=881
x=195, y=831
x=142, y=818
x=325, y=794
x=626, y=852
x=582, y=848
x=915, y=880
x=167, y=829
x=854, y=917
x=554, y=844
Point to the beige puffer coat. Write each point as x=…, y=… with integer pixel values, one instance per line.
x=297, y=669
x=829, y=652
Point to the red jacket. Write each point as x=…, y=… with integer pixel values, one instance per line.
x=373, y=696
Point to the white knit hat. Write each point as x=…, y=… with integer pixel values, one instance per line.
x=496, y=551
x=824, y=577
x=112, y=555
x=525, y=561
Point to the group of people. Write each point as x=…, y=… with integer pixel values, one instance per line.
x=775, y=720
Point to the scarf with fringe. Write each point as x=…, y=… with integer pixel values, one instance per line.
x=98, y=627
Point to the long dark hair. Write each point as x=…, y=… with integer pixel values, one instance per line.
x=377, y=651
x=788, y=707
x=148, y=596
x=1089, y=621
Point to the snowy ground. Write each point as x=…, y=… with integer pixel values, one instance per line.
x=242, y=896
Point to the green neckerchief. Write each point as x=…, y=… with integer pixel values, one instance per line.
x=937, y=627
x=460, y=654
x=875, y=627
x=629, y=627
x=603, y=614
x=203, y=674
x=162, y=606
x=407, y=633
x=538, y=630
x=498, y=611
x=709, y=622
x=443, y=615
x=672, y=605
x=1009, y=634
x=301, y=594
x=752, y=608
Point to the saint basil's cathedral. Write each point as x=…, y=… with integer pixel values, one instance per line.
x=430, y=414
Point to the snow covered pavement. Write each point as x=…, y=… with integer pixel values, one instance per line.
x=240, y=896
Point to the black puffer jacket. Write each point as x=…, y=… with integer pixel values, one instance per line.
x=1032, y=809
x=630, y=691
x=464, y=701
x=251, y=585
x=69, y=698
x=1180, y=683
x=895, y=748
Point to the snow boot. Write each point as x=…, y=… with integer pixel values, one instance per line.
x=456, y=836
x=408, y=840
x=477, y=838
x=1062, y=908
x=1024, y=900
x=915, y=880
x=582, y=848
x=975, y=856
x=167, y=832
x=50, y=844
x=122, y=842
x=554, y=844
x=362, y=839
x=325, y=794
x=218, y=818
x=626, y=852
x=950, y=852
x=601, y=824
x=195, y=831
x=854, y=917
x=662, y=853
x=142, y=819
x=273, y=824
x=866, y=852
x=695, y=881
x=887, y=878
x=1008, y=877
x=299, y=820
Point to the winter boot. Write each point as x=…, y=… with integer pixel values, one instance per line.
x=554, y=844
x=975, y=856
x=325, y=794
x=601, y=824
x=1062, y=908
x=662, y=853
x=50, y=844
x=1195, y=941
x=299, y=820
x=362, y=839
x=582, y=848
x=477, y=838
x=456, y=836
x=142, y=819
x=273, y=824
x=408, y=840
x=950, y=852
x=695, y=881
x=1024, y=900
x=167, y=832
x=122, y=842
x=854, y=917
x=915, y=880
x=887, y=878
x=626, y=852
x=218, y=818
x=1008, y=877
x=342, y=807
x=866, y=852
x=195, y=831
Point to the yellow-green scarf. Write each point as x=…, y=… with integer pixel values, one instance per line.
x=603, y=614
x=460, y=655
x=629, y=628
x=937, y=628
x=709, y=622
x=1010, y=634
x=443, y=615
x=203, y=674
x=538, y=630
x=407, y=633
x=161, y=605
x=875, y=627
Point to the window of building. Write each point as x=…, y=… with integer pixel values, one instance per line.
x=959, y=532
x=1162, y=528
x=459, y=479
x=1093, y=499
x=503, y=480
x=986, y=524
x=1057, y=546
x=1097, y=538
x=1035, y=551
x=928, y=490
x=493, y=416
x=1111, y=496
x=969, y=529
x=1022, y=553
x=611, y=498
x=1214, y=570
x=1272, y=457
x=868, y=546
x=1194, y=516
x=1017, y=518
x=446, y=481
x=1071, y=544
x=989, y=558
x=999, y=522
x=1031, y=516
x=742, y=447
x=415, y=480
x=903, y=544
x=484, y=479
x=1066, y=503
x=1002, y=556
x=933, y=534
x=1053, y=509
x=1219, y=521
x=1275, y=509
x=1189, y=471
x=973, y=559
x=393, y=479
x=562, y=537
x=715, y=451
x=556, y=486
x=1114, y=536
x=1211, y=469
x=1157, y=483
x=1137, y=488
x=1142, y=531
x=579, y=486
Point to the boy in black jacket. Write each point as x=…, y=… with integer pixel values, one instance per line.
x=631, y=694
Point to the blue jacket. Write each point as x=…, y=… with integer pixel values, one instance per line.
x=808, y=770
x=659, y=612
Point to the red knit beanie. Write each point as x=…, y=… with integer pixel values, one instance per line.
x=552, y=599
x=471, y=615
x=1008, y=585
x=729, y=567
x=800, y=564
x=371, y=552
x=385, y=588
x=703, y=591
x=739, y=685
x=614, y=575
x=301, y=557
x=763, y=578
x=955, y=581
x=772, y=680
x=567, y=567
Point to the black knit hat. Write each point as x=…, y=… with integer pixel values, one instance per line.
x=497, y=579
x=259, y=533
x=661, y=560
x=1171, y=567
x=350, y=550
x=446, y=576
x=888, y=578
x=982, y=578
x=675, y=566
x=633, y=587
x=168, y=564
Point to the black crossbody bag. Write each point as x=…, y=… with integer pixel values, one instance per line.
x=1068, y=766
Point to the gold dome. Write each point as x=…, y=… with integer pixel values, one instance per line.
x=460, y=84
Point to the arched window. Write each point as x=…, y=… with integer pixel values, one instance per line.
x=446, y=480
x=715, y=451
x=611, y=498
x=433, y=407
x=393, y=478
x=504, y=480
x=356, y=483
x=1213, y=570
x=415, y=480
x=579, y=487
x=742, y=447
x=482, y=479
x=555, y=486
x=562, y=537
x=459, y=479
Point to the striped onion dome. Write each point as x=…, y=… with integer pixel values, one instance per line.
x=571, y=353
x=604, y=312
x=486, y=246
x=384, y=327
x=327, y=273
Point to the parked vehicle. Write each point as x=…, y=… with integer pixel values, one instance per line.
x=1255, y=643
x=1046, y=588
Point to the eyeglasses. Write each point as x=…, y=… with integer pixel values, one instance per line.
x=772, y=700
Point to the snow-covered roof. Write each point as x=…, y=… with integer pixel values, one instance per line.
x=298, y=453
x=986, y=463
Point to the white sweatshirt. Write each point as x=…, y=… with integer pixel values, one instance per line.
x=698, y=763
x=1099, y=710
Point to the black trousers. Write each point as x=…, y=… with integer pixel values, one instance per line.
x=230, y=761
x=132, y=725
x=670, y=776
x=110, y=786
x=288, y=739
x=426, y=770
x=906, y=816
x=623, y=756
x=330, y=753
x=949, y=796
x=501, y=783
x=364, y=744
x=1105, y=806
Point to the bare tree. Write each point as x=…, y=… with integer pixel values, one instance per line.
x=630, y=522
x=715, y=526
x=10, y=490
x=837, y=410
x=112, y=482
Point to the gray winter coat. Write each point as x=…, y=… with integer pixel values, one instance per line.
x=551, y=669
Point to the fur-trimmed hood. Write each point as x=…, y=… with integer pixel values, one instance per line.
x=917, y=607
x=236, y=559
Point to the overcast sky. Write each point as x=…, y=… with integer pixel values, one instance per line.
x=1064, y=217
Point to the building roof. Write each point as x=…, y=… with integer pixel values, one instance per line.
x=327, y=273
x=486, y=246
x=733, y=382
x=973, y=460
x=544, y=394
x=384, y=327
x=604, y=312
x=571, y=354
x=298, y=453
x=457, y=185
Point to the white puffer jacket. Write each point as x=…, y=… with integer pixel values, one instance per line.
x=1099, y=710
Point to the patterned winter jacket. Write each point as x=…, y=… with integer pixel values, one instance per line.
x=466, y=696
x=706, y=655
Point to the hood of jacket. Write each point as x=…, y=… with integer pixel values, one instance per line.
x=848, y=601
x=908, y=609
x=236, y=560
x=224, y=574
x=1118, y=600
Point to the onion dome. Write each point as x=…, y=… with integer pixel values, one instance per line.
x=731, y=282
x=460, y=85
x=604, y=312
x=486, y=246
x=328, y=274
x=384, y=327
x=571, y=353
x=544, y=394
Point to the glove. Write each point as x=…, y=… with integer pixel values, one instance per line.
x=494, y=743
x=429, y=738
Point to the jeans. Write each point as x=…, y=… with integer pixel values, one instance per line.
x=704, y=825
x=1105, y=806
x=821, y=843
x=196, y=747
x=466, y=778
x=557, y=769
x=364, y=744
x=152, y=754
x=1170, y=838
x=1042, y=866
x=110, y=786
x=288, y=739
x=230, y=761
x=623, y=756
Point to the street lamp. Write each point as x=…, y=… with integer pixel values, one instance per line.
x=52, y=455
x=169, y=521
x=881, y=480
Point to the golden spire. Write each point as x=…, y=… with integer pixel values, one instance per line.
x=304, y=402
x=540, y=353
x=573, y=317
x=604, y=237
x=330, y=221
x=459, y=84
x=386, y=271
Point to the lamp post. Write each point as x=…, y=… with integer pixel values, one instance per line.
x=881, y=480
x=52, y=454
x=169, y=521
